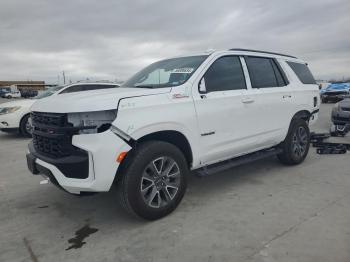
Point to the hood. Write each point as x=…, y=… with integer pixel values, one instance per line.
x=338, y=87
x=89, y=101
x=22, y=103
x=345, y=103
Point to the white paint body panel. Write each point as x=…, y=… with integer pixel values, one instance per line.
x=235, y=128
x=14, y=119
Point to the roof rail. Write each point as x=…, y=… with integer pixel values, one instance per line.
x=259, y=51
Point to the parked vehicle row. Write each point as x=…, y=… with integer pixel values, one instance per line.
x=341, y=117
x=12, y=94
x=4, y=91
x=335, y=92
x=206, y=113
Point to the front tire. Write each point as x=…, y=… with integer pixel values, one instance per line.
x=153, y=180
x=297, y=143
x=26, y=127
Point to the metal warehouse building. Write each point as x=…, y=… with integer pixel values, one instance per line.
x=24, y=85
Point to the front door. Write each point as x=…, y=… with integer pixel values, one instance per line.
x=223, y=109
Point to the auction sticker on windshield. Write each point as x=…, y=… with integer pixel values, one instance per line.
x=187, y=70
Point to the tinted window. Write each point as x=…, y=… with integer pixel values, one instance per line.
x=302, y=72
x=225, y=74
x=264, y=72
x=72, y=89
x=78, y=88
x=95, y=87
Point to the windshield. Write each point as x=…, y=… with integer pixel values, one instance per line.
x=166, y=73
x=49, y=92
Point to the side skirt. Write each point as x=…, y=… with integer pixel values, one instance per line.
x=241, y=160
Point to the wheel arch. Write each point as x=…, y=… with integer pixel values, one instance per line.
x=302, y=114
x=21, y=120
x=173, y=137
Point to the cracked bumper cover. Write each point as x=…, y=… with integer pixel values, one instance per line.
x=101, y=149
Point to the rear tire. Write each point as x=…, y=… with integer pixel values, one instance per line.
x=297, y=143
x=25, y=126
x=153, y=180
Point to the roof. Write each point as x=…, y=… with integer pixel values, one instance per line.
x=259, y=51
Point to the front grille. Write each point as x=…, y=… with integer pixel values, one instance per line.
x=51, y=135
x=55, y=147
x=341, y=119
x=345, y=108
x=49, y=119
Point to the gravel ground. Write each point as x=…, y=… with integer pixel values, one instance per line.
x=258, y=212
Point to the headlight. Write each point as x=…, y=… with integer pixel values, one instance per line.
x=8, y=110
x=99, y=121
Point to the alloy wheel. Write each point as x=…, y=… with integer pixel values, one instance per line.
x=160, y=182
x=299, y=142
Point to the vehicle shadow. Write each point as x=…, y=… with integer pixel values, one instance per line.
x=104, y=208
x=12, y=136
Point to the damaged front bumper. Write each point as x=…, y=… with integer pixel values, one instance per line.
x=93, y=169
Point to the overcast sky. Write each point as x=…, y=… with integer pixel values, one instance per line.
x=114, y=39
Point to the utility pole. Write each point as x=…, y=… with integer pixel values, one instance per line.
x=64, y=77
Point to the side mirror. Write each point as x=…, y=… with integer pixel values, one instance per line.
x=202, y=88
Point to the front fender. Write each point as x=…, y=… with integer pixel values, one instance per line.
x=141, y=116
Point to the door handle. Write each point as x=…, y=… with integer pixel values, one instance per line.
x=248, y=100
x=287, y=96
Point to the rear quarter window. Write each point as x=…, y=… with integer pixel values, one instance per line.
x=303, y=72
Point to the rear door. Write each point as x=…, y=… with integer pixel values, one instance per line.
x=224, y=119
x=273, y=99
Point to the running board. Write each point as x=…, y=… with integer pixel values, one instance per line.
x=241, y=160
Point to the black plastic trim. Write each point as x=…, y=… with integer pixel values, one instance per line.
x=73, y=166
x=315, y=111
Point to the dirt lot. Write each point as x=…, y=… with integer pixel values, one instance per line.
x=257, y=212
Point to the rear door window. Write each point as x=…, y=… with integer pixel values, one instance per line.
x=303, y=72
x=264, y=72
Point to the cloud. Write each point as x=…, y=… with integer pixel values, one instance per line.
x=113, y=39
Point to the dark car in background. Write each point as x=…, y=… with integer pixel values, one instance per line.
x=335, y=92
x=341, y=117
x=28, y=93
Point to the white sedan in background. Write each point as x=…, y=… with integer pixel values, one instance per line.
x=12, y=94
x=15, y=115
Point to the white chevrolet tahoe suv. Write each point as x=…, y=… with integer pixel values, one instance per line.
x=205, y=112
